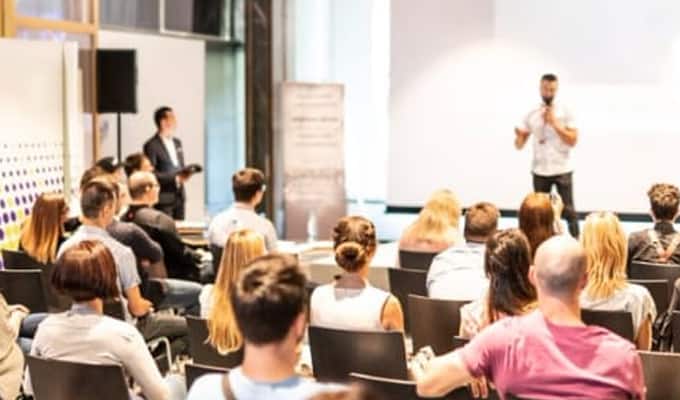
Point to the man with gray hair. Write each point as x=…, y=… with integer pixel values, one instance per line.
x=550, y=352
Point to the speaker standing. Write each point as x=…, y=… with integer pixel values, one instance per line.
x=166, y=155
x=555, y=134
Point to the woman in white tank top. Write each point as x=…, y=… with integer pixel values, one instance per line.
x=351, y=302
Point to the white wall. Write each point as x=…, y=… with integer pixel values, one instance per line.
x=347, y=42
x=170, y=71
x=464, y=73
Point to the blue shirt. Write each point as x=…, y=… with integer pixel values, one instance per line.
x=458, y=273
x=209, y=387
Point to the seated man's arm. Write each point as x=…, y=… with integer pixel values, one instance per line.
x=442, y=375
x=129, y=281
x=137, y=305
x=144, y=247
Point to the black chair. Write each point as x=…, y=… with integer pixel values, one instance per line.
x=24, y=286
x=675, y=329
x=658, y=288
x=15, y=259
x=195, y=371
x=402, y=389
x=619, y=322
x=336, y=353
x=644, y=270
x=459, y=342
x=434, y=322
x=202, y=352
x=216, y=252
x=23, y=262
x=404, y=282
x=661, y=375
x=63, y=380
x=114, y=308
x=416, y=259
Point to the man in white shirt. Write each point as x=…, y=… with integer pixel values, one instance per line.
x=554, y=130
x=458, y=272
x=249, y=188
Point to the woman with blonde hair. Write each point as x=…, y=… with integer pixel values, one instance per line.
x=351, y=302
x=242, y=247
x=436, y=227
x=43, y=231
x=606, y=249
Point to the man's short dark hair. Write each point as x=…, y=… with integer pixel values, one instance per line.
x=246, y=182
x=549, y=77
x=160, y=114
x=95, y=195
x=133, y=163
x=90, y=174
x=269, y=295
x=481, y=220
x=664, y=199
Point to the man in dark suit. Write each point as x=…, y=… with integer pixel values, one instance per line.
x=166, y=155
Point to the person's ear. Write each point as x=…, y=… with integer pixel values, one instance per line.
x=583, y=281
x=300, y=325
x=532, y=275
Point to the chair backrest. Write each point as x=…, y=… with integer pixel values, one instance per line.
x=216, y=252
x=336, y=353
x=644, y=270
x=619, y=322
x=459, y=342
x=658, y=288
x=416, y=259
x=195, y=371
x=114, y=309
x=675, y=329
x=402, y=389
x=16, y=259
x=203, y=352
x=63, y=380
x=661, y=374
x=404, y=282
x=24, y=286
x=434, y=322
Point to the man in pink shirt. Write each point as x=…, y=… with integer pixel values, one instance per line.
x=549, y=353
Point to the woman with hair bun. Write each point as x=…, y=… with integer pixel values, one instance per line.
x=351, y=302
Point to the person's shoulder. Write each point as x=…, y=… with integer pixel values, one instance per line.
x=610, y=344
x=309, y=387
x=117, y=329
x=207, y=387
x=151, y=142
x=638, y=292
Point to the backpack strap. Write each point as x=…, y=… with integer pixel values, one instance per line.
x=665, y=254
x=226, y=387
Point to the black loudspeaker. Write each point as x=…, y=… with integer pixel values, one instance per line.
x=116, y=81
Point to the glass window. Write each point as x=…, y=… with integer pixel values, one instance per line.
x=137, y=14
x=61, y=10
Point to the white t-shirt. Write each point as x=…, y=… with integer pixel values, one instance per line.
x=551, y=153
x=351, y=309
x=241, y=217
x=632, y=298
x=205, y=299
x=169, y=144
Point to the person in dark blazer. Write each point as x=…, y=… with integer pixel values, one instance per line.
x=166, y=155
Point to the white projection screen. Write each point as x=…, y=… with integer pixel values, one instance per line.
x=464, y=73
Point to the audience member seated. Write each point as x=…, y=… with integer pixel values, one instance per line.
x=113, y=167
x=11, y=358
x=604, y=243
x=506, y=265
x=98, y=209
x=178, y=293
x=458, y=272
x=549, y=353
x=351, y=302
x=249, y=187
x=181, y=261
x=86, y=272
x=661, y=243
x=73, y=221
x=537, y=219
x=43, y=231
x=269, y=304
x=436, y=227
x=242, y=247
x=137, y=162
